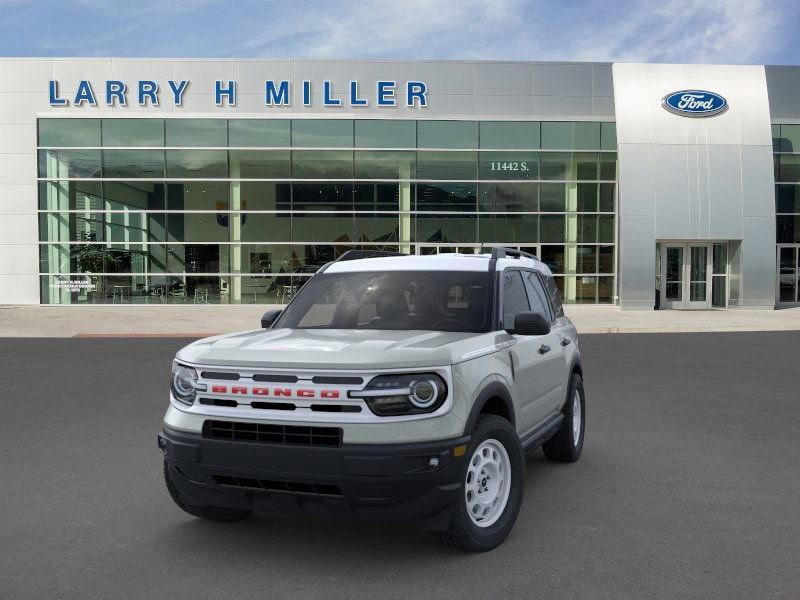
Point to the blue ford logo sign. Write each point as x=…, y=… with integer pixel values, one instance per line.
x=695, y=103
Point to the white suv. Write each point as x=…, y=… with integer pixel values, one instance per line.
x=392, y=387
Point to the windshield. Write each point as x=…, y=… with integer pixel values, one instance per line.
x=399, y=300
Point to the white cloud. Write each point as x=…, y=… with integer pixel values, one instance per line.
x=736, y=31
x=713, y=31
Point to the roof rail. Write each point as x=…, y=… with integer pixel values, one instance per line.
x=512, y=253
x=359, y=254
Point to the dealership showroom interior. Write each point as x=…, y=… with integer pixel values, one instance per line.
x=231, y=181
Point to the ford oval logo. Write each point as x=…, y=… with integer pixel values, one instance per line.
x=695, y=103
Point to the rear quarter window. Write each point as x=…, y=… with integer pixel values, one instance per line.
x=552, y=292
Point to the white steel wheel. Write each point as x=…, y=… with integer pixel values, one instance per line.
x=488, y=483
x=577, y=415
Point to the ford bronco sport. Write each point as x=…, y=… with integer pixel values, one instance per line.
x=392, y=387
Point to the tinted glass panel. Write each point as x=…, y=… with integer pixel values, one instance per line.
x=587, y=197
x=509, y=197
x=608, y=136
x=606, y=197
x=788, y=231
x=552, y=228
x=605, y=263
x=553, y=197
x=318, y=227
x=379, y=133
x=789, y=170
x=511, y=229
x=385, y=165
x=585, y=166
x=265, y=227
x=557, y=165
x=537, y=297
x=320, y=164
x=446, y=197
x=134, y=195
x=608, y=166
x=377, y=227
x=787, y=198
x=447, y=134
x=322, y=196
x=587, y=229
x=605, y=228
x=509, y=165
x=383, y=196
x=446, y=228
x=131, y=164
x=265, y=195
x=515, y=298
x=509, y=134
x=587, y=136
x=322, y=133
x=198, y=227
x=196, y=132
x=198, y=195
x=586, y=259
x=558, y=135
x=197, y=164
x=133, y=132
x=70, y=195
x=790, y=138
x=447, y=165
x=69, y=132
x=272, y=133
x=260, y=164
x=62, y=164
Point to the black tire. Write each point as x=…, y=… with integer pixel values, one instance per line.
x=563, y=447
x=462, y=532
x=212, y=513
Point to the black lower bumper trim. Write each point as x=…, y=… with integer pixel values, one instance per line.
x=388, y=482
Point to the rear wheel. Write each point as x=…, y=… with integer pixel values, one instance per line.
x=212, y=513
x=492, y=488
x=567, y=443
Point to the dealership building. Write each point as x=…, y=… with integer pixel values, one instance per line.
x=167, y=181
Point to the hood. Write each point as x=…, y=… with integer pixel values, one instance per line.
x=335, y=348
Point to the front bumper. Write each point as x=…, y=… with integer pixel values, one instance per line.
x=388, y=482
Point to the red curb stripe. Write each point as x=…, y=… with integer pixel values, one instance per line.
x=144, y=335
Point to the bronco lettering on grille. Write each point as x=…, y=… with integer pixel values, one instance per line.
x=241, y=390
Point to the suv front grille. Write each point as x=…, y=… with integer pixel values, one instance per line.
x=265, y=433
x=317, y=489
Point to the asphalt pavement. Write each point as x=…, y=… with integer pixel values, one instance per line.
x=688, y=487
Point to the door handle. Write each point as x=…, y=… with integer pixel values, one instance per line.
x=566, y=341
x=544, y=349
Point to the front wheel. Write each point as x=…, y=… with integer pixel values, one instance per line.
x=492, y=488
x=567, y=443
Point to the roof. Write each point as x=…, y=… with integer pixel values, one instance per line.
x=440, y=262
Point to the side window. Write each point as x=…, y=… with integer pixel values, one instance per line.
x=515, y=299
x=552, y=292
x=537, y=295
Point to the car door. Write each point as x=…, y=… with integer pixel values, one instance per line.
x=534, y=283
x=535, y=359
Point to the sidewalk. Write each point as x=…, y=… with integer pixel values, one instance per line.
x=200, y=321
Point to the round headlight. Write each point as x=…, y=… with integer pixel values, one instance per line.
x=184, y=383
x=423, y=393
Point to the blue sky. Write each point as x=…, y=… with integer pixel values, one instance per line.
x=712, y=31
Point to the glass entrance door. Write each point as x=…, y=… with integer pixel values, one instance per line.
x=686, y=276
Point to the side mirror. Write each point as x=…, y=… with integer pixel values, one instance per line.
x=531, y=323
x=269, y=317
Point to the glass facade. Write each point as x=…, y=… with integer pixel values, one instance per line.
x=786, y=148
x=245, y=210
